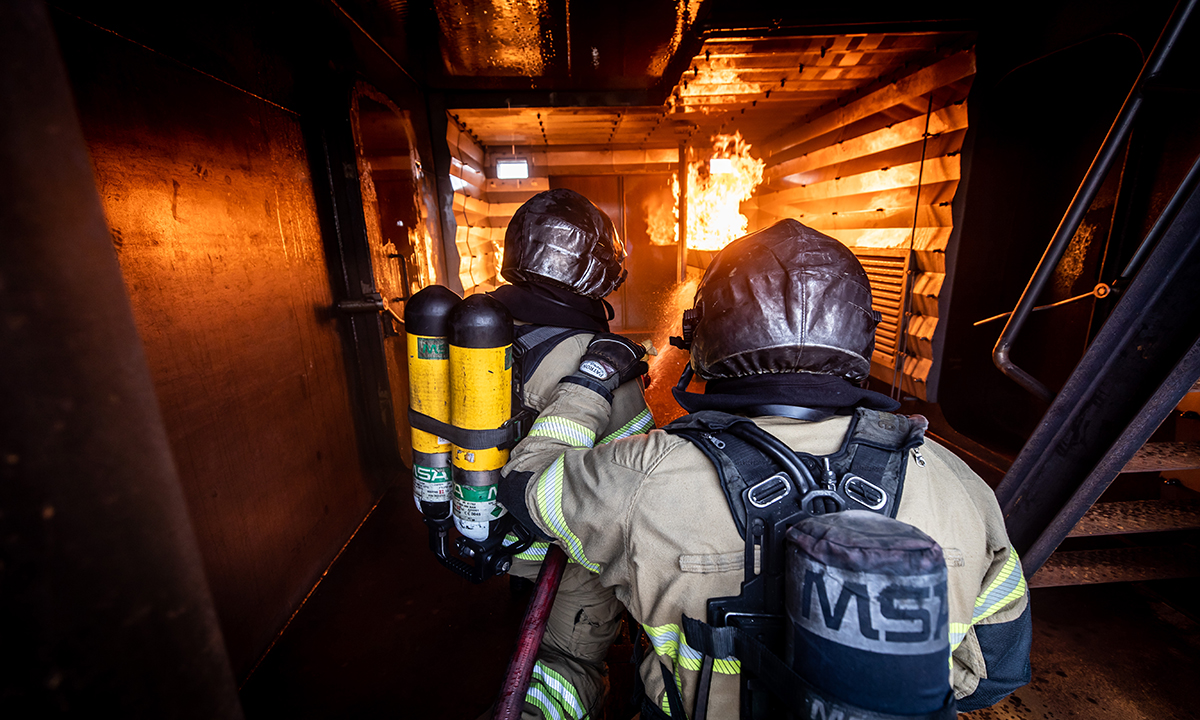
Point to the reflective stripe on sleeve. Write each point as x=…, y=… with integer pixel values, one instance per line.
x=536, y=551
x=1007, y=586
x=549, y=503
x=568, y=431
x=547, y=687
x=641, y=423
x=668, y=642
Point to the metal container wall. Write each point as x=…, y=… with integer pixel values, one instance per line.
x=207, y=193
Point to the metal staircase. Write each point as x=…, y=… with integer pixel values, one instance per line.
x=1142, y=363
x=1140, y=366
x=1135, y=518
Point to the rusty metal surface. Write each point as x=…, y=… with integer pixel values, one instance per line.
x=210, y=205
x=1090, y=567
x=550, y=44
x=1163, y=456
x=1138, y=516
x=104, y=608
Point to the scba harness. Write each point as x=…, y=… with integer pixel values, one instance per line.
x=881, y=609
x=491, y=556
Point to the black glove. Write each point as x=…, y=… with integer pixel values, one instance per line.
x=611, y=360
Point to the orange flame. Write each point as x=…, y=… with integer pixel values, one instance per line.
x=713, y=198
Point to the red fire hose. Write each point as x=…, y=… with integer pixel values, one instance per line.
x=533, y=626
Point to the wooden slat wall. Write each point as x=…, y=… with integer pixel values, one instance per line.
x=856, y=172
x=482, y=209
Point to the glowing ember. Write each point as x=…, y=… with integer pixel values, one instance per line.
x=714, y=197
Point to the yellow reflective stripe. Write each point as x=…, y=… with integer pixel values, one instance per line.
x=689, y=657
x=560, y=689
x=727, y=666
x=539, y=699
x=958, y=631
x=560, y=428
x=1008, y=586
x=668, y=641
x=641, y=423
x=665, y=639
x=536, y=551
x=549, y=503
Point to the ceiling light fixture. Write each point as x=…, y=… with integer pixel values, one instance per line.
x=512, y=169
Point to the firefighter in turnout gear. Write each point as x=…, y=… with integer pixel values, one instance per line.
x=562, y=257
x=909, y=600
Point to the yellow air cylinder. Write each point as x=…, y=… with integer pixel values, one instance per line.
x=481, y=335
x=426, y=322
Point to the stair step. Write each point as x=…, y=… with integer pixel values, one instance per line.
x=1090, y=567
x=1162, y=456
x=1138, y=516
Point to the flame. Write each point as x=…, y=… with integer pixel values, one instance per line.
x=661, y=219
x=719, y=81
x=714, y=199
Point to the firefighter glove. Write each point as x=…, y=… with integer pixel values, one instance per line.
x=611, y=360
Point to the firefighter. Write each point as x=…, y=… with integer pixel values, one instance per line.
x=783, y=335
x=562, y=256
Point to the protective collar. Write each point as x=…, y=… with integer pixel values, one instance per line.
x=545, y=305
x=763, y=394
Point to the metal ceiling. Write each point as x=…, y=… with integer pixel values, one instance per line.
x=758, y=86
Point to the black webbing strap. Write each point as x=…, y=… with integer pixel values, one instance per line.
x=795, y=692
x=870, y=462
x=462, y=437
x=674, y=699
x=736, y=460
x=534, y=342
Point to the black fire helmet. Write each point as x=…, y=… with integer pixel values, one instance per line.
x=785, y=299
x=559, y=237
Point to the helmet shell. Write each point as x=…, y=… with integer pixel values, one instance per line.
x=559, y=237
x=785, y=299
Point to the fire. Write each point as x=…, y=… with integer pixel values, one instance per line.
x=714, y=196
x=719, y=81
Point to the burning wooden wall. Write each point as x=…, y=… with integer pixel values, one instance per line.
x=860, y=135
x=880, y=173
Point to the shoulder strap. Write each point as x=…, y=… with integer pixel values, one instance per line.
x=532, y=343
x=739, y=464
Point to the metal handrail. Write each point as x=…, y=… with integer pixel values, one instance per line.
x=1092, y=181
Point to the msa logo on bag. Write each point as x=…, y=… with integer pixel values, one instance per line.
x=886, y=614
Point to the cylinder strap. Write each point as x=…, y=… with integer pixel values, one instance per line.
x=469, y=439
